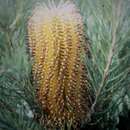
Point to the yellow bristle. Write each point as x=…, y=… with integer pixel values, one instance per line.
x=56, y=41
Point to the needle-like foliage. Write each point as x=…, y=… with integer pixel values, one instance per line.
x=107, y=26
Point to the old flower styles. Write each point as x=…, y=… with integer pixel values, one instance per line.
x=56, y=43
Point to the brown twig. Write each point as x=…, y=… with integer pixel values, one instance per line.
x=110, y=56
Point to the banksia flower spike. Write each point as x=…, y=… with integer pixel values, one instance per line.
x=56, y=41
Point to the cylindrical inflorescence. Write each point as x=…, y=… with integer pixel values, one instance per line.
x=56, y=44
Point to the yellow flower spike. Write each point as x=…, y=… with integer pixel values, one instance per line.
x=56, y=41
